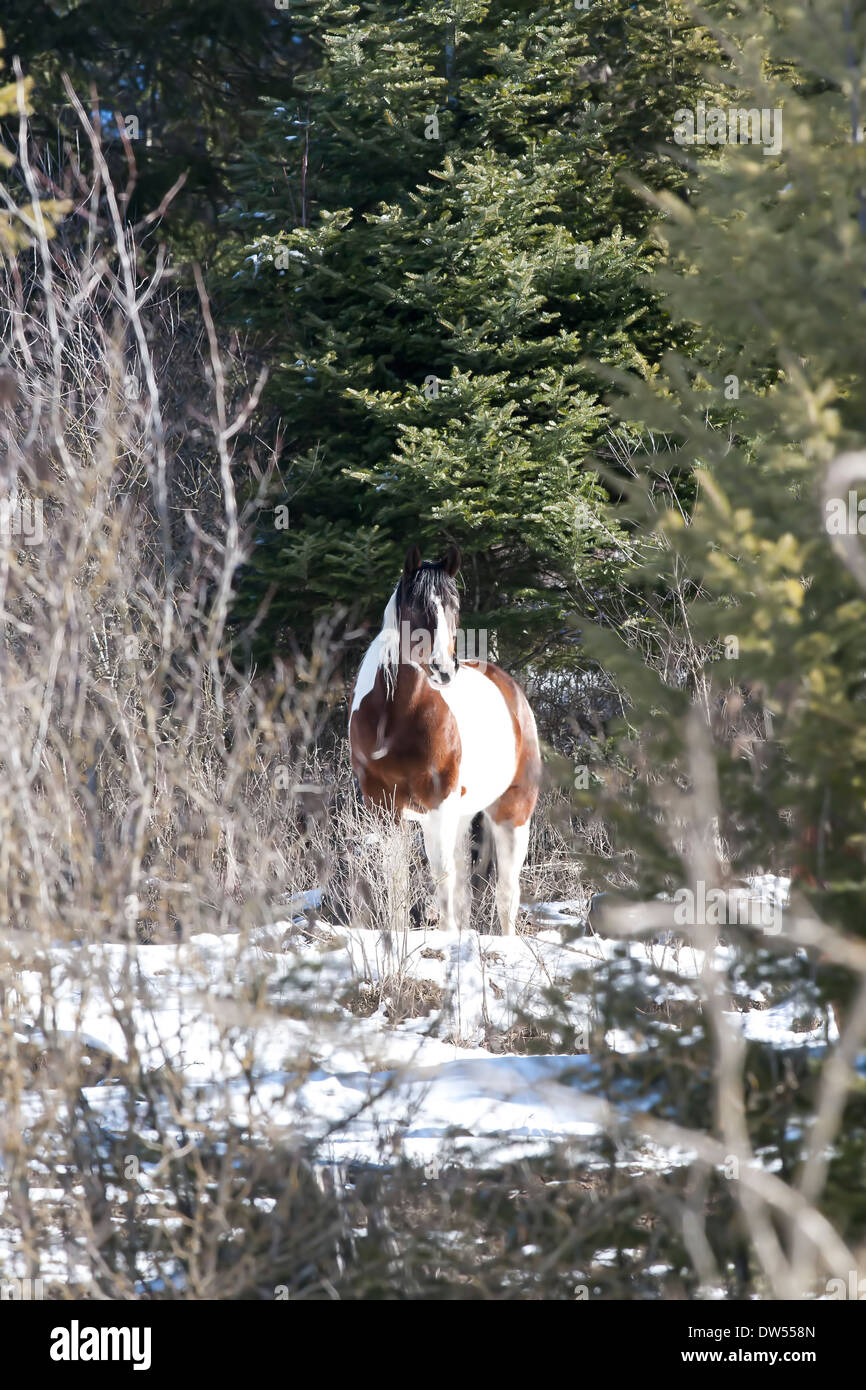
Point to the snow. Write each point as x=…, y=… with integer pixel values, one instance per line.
x=426, y=1087
x=363, y=1047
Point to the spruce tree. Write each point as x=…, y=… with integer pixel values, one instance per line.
x=466, y=247
x=770, y=262
x=746, y=745
x=185, y=81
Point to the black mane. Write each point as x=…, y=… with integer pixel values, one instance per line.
x=429, y=581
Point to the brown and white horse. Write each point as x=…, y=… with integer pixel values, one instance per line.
x=437, y=740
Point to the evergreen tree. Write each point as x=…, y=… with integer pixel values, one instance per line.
x=465, y=247
x=18, y=218
x=752, y=729
x=770, y=262
x=184, y=79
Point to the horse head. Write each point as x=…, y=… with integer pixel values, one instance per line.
x=428, y=614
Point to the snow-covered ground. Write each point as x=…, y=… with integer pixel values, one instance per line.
x=366, y=1045
x=435, y=1047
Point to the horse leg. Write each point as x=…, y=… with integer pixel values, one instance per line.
x=441, y=839
x=512, y=842
x=481, y=870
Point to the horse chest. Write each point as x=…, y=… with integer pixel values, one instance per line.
x=426, y=746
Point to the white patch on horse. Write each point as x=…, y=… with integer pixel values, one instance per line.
x=488, y=760
x=441, y=638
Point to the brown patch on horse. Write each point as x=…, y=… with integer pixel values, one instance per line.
x=417, y=740
x=517, y=803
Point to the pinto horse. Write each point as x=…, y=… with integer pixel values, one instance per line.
x=439, y=740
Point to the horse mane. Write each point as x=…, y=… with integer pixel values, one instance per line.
x=389, y=642
x=432, y=581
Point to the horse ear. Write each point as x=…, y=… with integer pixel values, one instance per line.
x=451, y=562
x=413, y=560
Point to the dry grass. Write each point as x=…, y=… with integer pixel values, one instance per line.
x=146, y=785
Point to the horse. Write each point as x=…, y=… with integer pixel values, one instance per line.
x=439, y=740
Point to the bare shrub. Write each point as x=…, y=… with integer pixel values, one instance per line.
x=146, y=784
